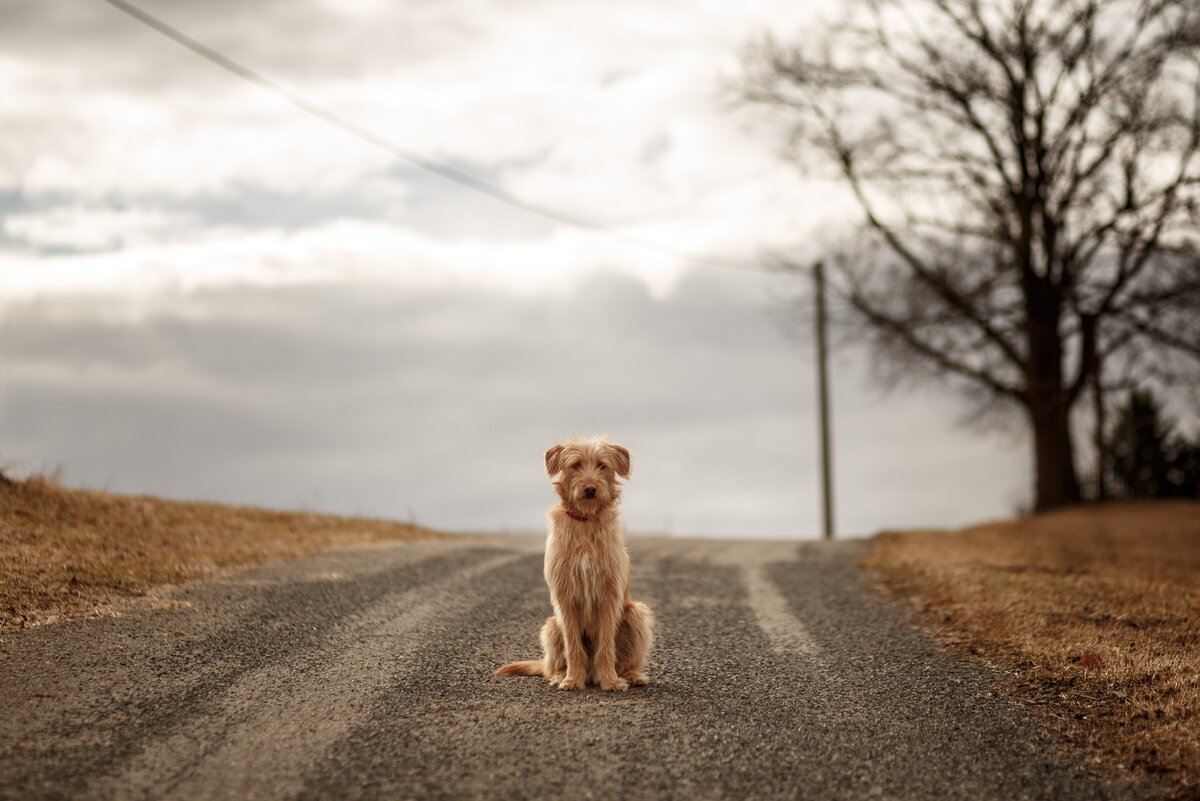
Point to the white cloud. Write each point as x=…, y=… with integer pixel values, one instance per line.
x=90, y=228
x=612, y=112
x=338, y=251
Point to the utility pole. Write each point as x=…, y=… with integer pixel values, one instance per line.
x=823, y=404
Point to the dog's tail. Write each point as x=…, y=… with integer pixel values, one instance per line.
x=530, y=667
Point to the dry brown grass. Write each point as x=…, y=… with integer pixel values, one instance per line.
x=75, y=553
x=1095, y=612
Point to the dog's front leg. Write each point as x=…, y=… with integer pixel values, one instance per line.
x=577, y=658
x=606, y=650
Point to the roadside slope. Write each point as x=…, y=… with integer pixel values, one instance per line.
x=76, y=553
x=1094, y=614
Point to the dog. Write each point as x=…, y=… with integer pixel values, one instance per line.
x=597, y=635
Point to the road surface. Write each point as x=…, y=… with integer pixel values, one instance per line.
x=366, y=674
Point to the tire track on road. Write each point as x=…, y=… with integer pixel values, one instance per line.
x=274, y=722
x=449, y=730
x=91, y=709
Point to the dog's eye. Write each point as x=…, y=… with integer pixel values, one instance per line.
x=603, y=467
x=577, y=465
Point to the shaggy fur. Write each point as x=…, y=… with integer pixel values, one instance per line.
x=597, y=635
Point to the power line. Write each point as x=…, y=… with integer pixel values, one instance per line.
x=449, y=173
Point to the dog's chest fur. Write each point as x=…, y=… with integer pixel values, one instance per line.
x=585, y=562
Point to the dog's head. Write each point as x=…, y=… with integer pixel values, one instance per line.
x=584, y=472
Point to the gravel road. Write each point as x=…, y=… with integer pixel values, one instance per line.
x=366, y=674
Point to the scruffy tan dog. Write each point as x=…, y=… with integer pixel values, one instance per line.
x=597, y=634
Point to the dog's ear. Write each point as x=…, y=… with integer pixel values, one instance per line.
x=554, y=460
x=620, y=458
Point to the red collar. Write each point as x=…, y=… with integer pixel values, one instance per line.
x=576, y=515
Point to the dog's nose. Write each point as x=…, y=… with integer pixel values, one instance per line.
x=589, y=491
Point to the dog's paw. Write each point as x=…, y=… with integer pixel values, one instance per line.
x=614, y=684
x=556, y=679
x=569, y=683
x=636, y=679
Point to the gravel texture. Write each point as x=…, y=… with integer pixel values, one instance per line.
x=366, y=674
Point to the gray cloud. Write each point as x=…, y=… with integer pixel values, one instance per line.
x=439, y=403
x=302, y=39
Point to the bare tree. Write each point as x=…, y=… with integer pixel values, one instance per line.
x=1029, y=178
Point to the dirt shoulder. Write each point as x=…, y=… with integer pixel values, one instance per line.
x=1093, y=612
x=77, y=553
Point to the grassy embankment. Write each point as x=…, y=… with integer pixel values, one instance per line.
x=1094, y=613
x=76, y=553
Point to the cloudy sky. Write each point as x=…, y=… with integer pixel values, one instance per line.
x=205, y=293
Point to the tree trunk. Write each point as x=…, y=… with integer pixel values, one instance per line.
x=1101, y=437
x=1047, y=398
x=1054, y=458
